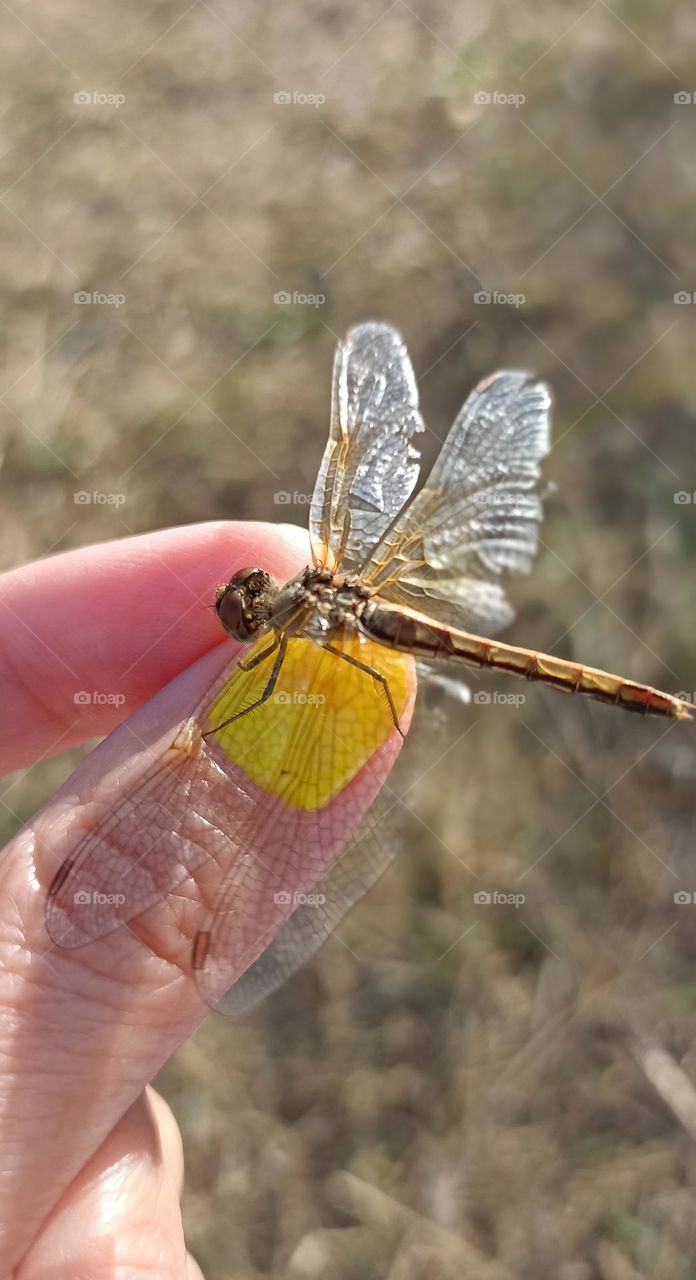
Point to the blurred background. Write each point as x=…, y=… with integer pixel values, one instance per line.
x=196, y=200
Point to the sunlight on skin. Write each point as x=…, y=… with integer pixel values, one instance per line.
x=82, y=1032
x=121, y=1214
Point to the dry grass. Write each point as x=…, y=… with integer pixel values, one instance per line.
x=450, y=1089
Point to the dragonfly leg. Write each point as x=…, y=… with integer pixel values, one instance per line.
x=254, y=662
x=270, y=686
x=370, y=671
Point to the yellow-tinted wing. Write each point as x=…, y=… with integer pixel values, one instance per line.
x=477, y=515
x=370, y=465
x=250, y=815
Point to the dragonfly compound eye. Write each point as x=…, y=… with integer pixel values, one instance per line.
x=241, y=605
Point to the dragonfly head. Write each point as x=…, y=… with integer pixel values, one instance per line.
x=242, y=605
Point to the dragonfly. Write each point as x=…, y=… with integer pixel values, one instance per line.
x=270, y=799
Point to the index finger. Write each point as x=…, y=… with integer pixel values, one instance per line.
x=87, y=636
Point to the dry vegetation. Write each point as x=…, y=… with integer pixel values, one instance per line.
x=450, y=1089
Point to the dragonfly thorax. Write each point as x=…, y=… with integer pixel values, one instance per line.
x=316, y=603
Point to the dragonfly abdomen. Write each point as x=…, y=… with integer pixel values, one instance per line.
x=404, y=629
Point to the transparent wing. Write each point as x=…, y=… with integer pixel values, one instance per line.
x=444, y=683
x=477, y=515
x=370, y=465
x=363, y=862
x=188, y=812
x=143, y=838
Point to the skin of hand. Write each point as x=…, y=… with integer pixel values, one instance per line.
x=90, y=1157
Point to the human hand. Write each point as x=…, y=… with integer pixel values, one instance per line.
x=91, y=1158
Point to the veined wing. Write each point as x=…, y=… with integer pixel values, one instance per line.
x=370, y=465
x=363, y=861
x=257, y=812
x=477, y=515
x=315, y=915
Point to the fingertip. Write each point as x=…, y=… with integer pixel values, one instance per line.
x=87, y=636
x=193, y=1271
x=169, y=1135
